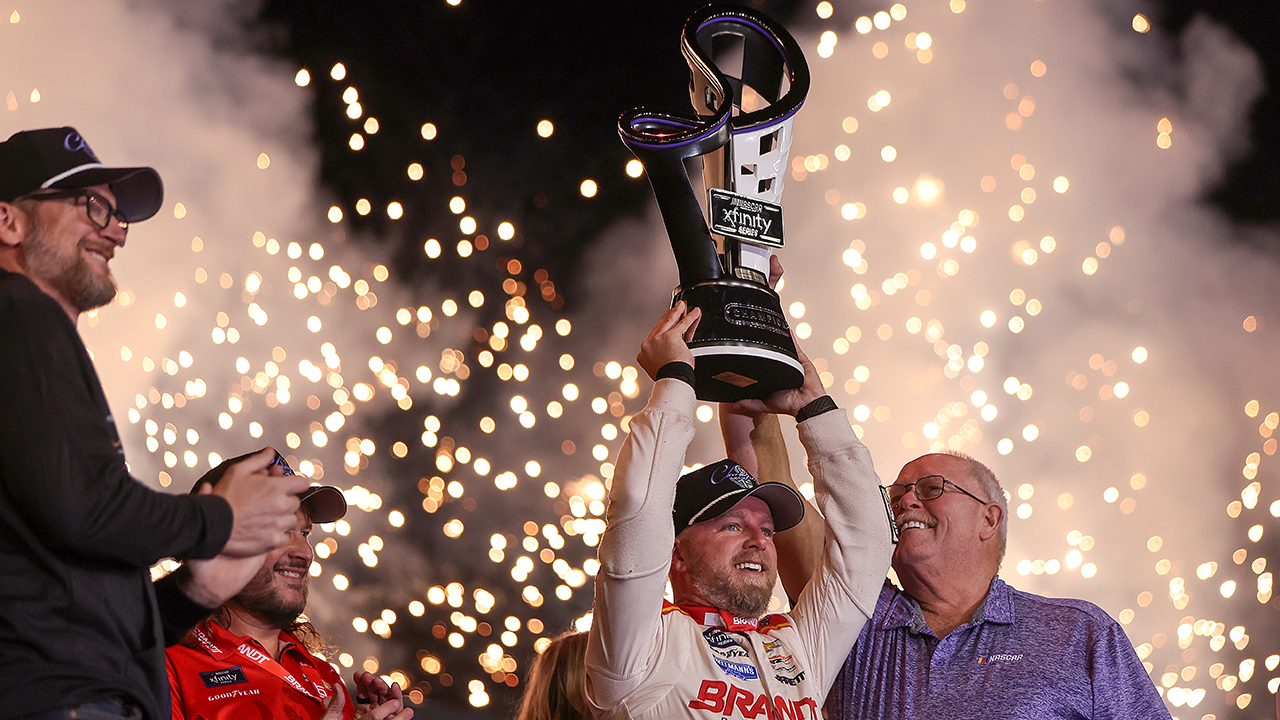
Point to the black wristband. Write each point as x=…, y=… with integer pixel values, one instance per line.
x=817, y=407
x=678, y=369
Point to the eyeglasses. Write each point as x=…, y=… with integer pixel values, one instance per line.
x=99, y=209
x=929, y=487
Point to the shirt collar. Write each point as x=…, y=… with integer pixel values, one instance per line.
x=223, y=642
x=996, y=607
x=719, y=618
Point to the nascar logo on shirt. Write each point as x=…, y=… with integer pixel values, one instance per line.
x=1002, y=657
x=729, y=700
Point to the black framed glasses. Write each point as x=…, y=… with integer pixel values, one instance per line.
x=99, y=209
x=929, y=487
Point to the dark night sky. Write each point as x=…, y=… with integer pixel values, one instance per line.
x=486, y=72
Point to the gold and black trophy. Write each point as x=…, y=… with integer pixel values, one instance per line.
x=749, y=78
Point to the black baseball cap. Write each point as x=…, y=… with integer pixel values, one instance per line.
x=711, y=490
x=60, y=159
x=325, y=503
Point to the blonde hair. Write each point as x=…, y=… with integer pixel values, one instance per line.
x=555, y=688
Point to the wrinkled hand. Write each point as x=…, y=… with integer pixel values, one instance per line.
x=667, y=341
x=263, y=507
x=375, y=699
x=787, y=402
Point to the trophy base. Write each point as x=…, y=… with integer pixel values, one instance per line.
x=742, y=346
x=729, y=373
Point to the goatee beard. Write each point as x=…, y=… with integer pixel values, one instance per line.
x=261, y=598
x=71, y=276
x=742, y=599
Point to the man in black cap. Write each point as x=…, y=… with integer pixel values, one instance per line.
x=254, y=656
x=715, y=653
x=82, y=629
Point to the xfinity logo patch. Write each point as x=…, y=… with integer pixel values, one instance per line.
x=722, y=644
x=746, y=218
x=221, y=678
x=718, y=638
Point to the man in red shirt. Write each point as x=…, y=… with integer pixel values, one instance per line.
x=254, y=657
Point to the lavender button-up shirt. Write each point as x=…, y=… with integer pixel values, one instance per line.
x=1021, y=657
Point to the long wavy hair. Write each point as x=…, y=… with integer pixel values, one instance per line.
x=556, y=686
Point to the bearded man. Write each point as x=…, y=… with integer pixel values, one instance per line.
x=82, y=627
x=715, y=652
x=255, y=656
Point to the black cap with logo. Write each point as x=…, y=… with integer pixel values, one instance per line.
x=60, y=159
x=324, y=503
x=711, y=490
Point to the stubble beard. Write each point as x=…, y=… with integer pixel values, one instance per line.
x=261, y=598
x=70, y=275
x=724, y=592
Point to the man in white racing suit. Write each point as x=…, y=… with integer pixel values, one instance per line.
x=715, y=653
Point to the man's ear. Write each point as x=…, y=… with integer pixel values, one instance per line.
x=991, y=519
x=13, y=225
x=677, y=558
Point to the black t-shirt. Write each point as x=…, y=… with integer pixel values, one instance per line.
x=79, y=618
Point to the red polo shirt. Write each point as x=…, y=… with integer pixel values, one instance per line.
x=233, y=678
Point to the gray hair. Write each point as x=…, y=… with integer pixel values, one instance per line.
x=994, y=492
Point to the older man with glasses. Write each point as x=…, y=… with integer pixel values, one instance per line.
x=83, y=629
x=956, y=642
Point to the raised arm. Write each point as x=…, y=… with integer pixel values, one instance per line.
x=842, y=591
x=635, y=550
x=755, y=442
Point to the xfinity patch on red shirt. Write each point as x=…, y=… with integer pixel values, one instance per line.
x=218, y=678
x=226, y=677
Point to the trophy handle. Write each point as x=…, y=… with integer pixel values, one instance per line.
x=662, y=141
